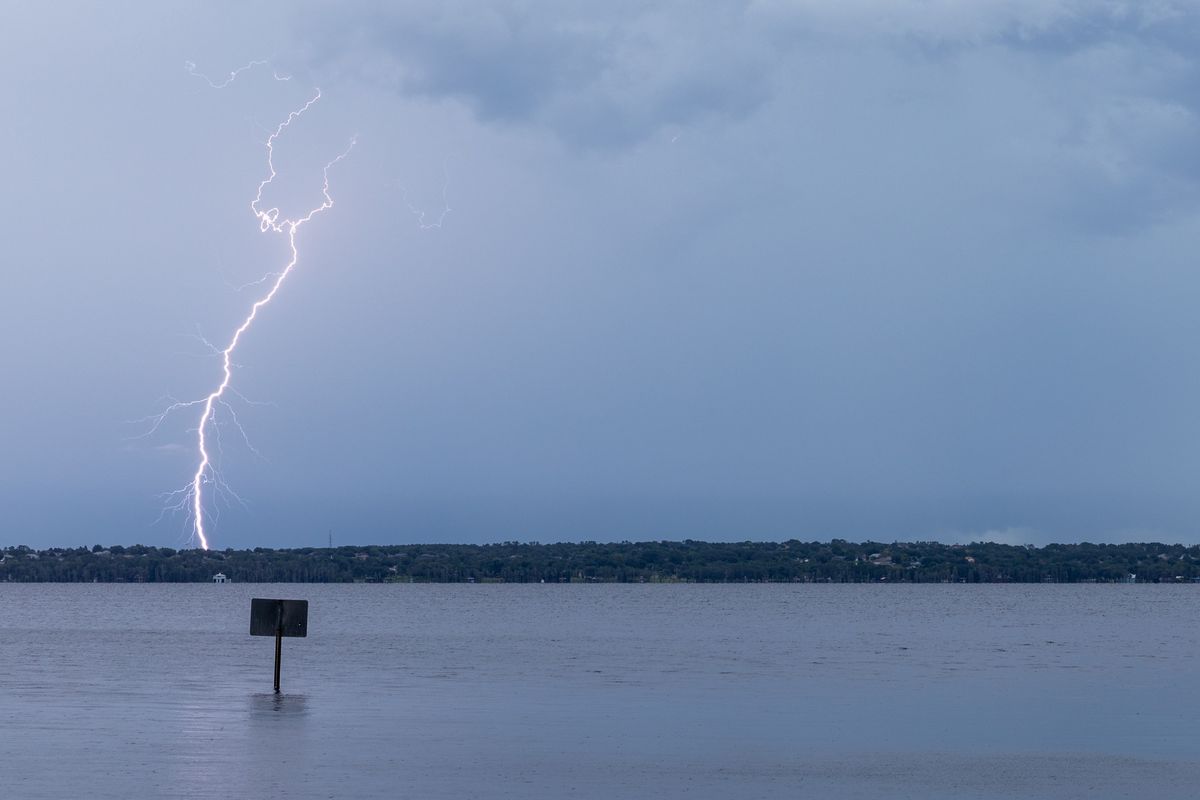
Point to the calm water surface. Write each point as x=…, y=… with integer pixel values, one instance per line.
x=549, y=691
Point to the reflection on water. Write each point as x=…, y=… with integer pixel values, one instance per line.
x=602, y=691
x=276, y=706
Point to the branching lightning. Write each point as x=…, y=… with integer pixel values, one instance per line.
x=424, y=219
x=191, y=70
x=191, y=498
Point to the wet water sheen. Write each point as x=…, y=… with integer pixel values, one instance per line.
x=411, y=691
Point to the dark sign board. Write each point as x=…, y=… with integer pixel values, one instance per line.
x=282, y=617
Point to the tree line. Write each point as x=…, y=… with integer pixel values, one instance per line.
x=836, y=561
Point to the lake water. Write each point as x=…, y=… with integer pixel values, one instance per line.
x=553, y=691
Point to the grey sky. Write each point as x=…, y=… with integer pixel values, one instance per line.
x=712, y=270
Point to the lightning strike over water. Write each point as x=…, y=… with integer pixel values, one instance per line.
x=191, y=498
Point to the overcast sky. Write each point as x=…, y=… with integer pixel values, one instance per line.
x=740, y=270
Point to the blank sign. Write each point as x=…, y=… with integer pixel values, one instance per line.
x=283, y=617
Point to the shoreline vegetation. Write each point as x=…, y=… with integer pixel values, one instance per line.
x=836, y=561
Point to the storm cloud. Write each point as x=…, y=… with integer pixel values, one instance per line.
x=726, y=271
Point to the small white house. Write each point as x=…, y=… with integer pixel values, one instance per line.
x=220, y=578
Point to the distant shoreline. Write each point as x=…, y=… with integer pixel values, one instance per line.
x=835, y=561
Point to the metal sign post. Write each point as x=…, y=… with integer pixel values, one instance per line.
x=278, y=618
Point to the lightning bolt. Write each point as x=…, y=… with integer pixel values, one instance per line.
x=425, y=220
x=190, y=66
x=191, y=498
